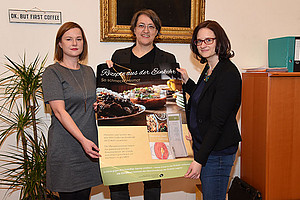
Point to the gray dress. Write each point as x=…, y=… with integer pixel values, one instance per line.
x=69, y=169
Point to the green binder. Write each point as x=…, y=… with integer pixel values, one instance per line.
x=282, y=52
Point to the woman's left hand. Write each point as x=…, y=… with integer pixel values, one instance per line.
x=95, y=106
x=194, y=171
x=90, y=148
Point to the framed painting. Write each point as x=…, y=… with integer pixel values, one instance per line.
x=179, y=18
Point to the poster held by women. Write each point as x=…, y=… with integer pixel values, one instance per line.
x=141, y=122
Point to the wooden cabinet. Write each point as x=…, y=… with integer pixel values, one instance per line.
x=270, y=128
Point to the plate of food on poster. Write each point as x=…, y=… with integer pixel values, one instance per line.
x=111, y=105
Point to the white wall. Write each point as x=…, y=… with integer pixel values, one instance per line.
x=248, y=24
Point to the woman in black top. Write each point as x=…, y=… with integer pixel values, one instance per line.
x=145, y=26
x=211, y=110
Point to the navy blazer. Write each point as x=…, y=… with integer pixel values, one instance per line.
x=123, y=56
x=217, y=109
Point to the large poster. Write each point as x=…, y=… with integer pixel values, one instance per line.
x=141, y=122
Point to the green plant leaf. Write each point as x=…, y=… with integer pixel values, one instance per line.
x=24, y=166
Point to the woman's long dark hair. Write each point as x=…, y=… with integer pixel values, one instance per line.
x=223, y=47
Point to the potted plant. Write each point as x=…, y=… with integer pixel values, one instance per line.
x=25, y=165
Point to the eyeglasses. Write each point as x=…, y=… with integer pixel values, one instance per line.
x=150, y=27
x=207, y=41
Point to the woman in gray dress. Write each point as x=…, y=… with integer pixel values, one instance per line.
x=70, y=89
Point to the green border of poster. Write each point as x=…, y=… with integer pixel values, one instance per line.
x=143, y=172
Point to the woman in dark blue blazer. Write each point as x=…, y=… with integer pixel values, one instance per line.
x=211, y=110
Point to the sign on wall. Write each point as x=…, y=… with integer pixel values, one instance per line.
x=33, y=16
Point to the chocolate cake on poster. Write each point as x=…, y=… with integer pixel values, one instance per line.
x=126, y=93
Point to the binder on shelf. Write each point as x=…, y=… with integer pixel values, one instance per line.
x=284, y=52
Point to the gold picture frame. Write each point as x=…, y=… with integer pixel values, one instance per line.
x=112, y=32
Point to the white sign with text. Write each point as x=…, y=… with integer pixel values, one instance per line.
x=36, y=17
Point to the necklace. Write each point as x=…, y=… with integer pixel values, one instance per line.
x=206, y=78
x=84, y=92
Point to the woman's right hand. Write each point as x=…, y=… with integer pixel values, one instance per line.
x=194, y=170
x=109, y=63
x=189, y=136
x=185, y=77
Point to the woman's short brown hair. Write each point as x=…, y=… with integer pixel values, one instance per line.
x=58, y=54
x=223, y=46
x=151, y=14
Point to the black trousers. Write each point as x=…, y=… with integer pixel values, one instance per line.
x=77, y=195
x=151, y=191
